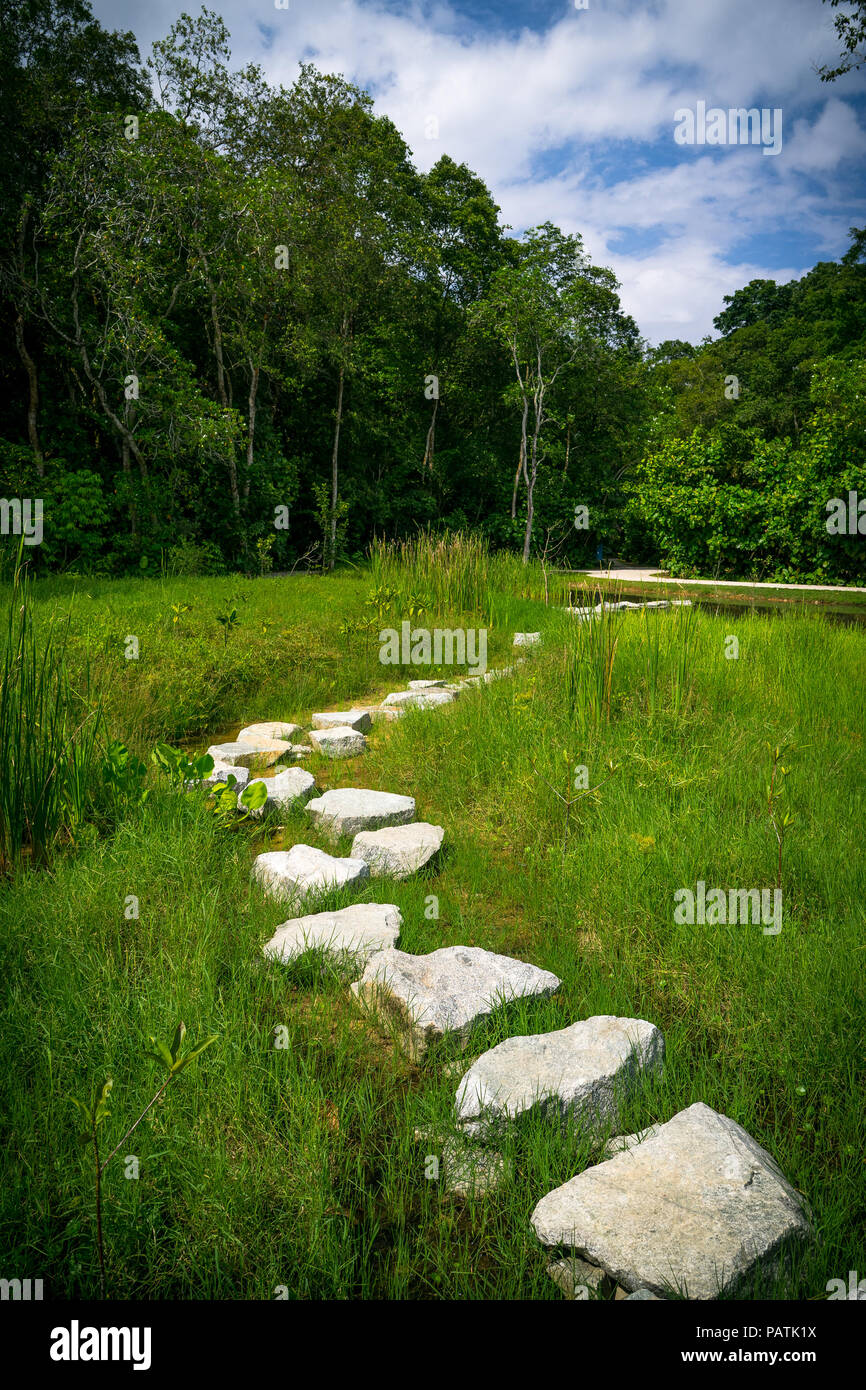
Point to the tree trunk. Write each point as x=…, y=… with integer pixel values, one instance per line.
x=521, y=462
x=427, y=461
x=332, y=540
x=251, y=427
x=33, y=395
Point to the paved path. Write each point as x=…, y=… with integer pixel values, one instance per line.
x=635, y=576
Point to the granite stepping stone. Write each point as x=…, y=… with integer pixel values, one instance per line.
x=339, y=742
x=357, y=931
x=527, y=639
x=695, y=1208
x=399, y=850
x=581, y=1072
x=244, y=753
x=290, y=787
x=222, y=771
x=347, y=810
x=358, y=719
x=417, y=699
x=445, y=992
x=253, y=733
x=293, y=874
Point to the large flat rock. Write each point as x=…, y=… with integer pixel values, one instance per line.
x=264, y=752
x=582, y=1072
x=357, y=931
x=346, y=810
x=694, y=1208
x=417, y=699
x=268, y=731
x=399, y=851
x=358, y=719
x=292, y=786
x=339, y=742
x=293, y=874
x=445, y=992
x=527, y=639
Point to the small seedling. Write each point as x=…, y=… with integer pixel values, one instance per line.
x=97, y=1112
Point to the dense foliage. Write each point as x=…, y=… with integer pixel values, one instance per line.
x=242, y=331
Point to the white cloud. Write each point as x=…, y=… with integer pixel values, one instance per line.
x=575, y=124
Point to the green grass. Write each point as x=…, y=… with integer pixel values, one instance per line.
x=296, y=1166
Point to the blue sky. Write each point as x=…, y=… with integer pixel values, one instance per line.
x=569, y=116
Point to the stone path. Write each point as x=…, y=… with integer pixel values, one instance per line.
x=687, y=1208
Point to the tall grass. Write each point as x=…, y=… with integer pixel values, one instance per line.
x=48, y=738
x=452, y=571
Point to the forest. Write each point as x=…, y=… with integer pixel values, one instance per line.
x=242, y=331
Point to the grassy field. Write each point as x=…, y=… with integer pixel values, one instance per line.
x=294, y=1166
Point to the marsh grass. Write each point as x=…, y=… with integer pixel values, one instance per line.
x=49, y=736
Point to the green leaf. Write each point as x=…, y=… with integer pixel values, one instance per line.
x=254, y=795
x=179, y=1034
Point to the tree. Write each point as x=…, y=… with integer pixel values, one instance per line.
x=851, y=30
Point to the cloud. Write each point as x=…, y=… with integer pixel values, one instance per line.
x=573, y=123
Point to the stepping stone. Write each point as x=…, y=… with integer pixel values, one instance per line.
x=293, y=873
x=644, y=1295
x=290, y=787
x=247, y=754
x=697, y=1207
x=658, y=603
x=357, y=931
x=527, y=639
x=344, y=719
x=254, y=732
x=386, y=716
x=221, y=773
x=340, y=742
x=581, y=1072
x=427, y=685
x=346, y=810
x=447, y=991
x=417, y=699
x=400, y=850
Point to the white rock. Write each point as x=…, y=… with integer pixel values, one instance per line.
x=427, y=685
x=400, y=850
x=242, y=753
x=222, y=771
x=358, y=719
x=290, y=787
x=386, y=716
x=694, y=1208
x=581, y=1072
x=447, y=991
x=346, y=810
x=527, y=639
x=292, y=874
x=417, y=699
x=253, y=733
x=340, y=742
x=357, y=931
